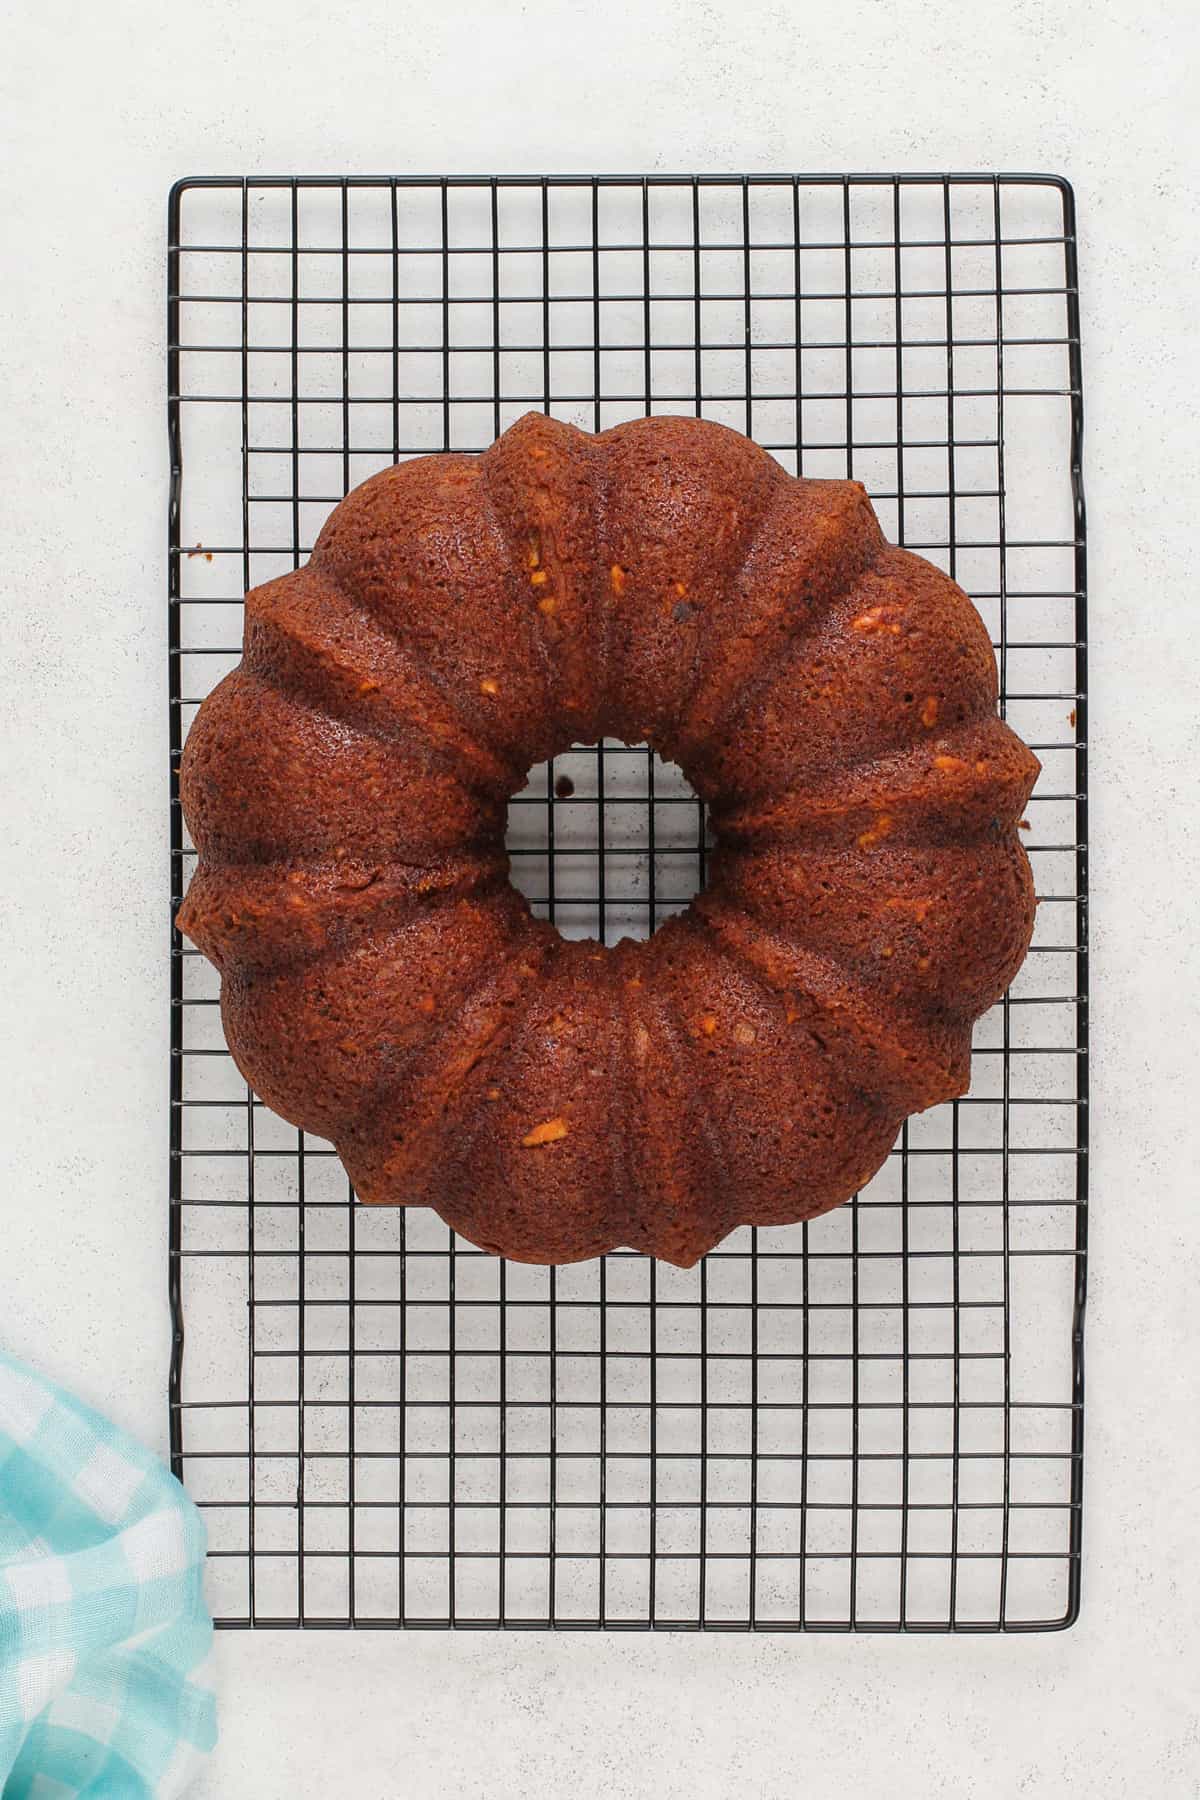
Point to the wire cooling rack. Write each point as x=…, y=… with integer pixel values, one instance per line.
x=870, y=1422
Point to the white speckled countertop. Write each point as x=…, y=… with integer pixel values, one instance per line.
x=102, y=109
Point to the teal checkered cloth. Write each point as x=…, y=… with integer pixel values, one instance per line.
x=103, y=1629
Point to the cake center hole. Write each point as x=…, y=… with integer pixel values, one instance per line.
x=607, y=841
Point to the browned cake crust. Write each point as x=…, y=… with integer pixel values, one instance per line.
x=832, y=698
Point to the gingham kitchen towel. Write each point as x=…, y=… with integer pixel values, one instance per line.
x=103, y=1628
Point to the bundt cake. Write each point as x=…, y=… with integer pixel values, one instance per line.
x=831, y=698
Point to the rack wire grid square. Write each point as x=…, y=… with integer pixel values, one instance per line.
x=871, y=1422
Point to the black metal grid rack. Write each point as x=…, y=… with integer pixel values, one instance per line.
x=870, y=1422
